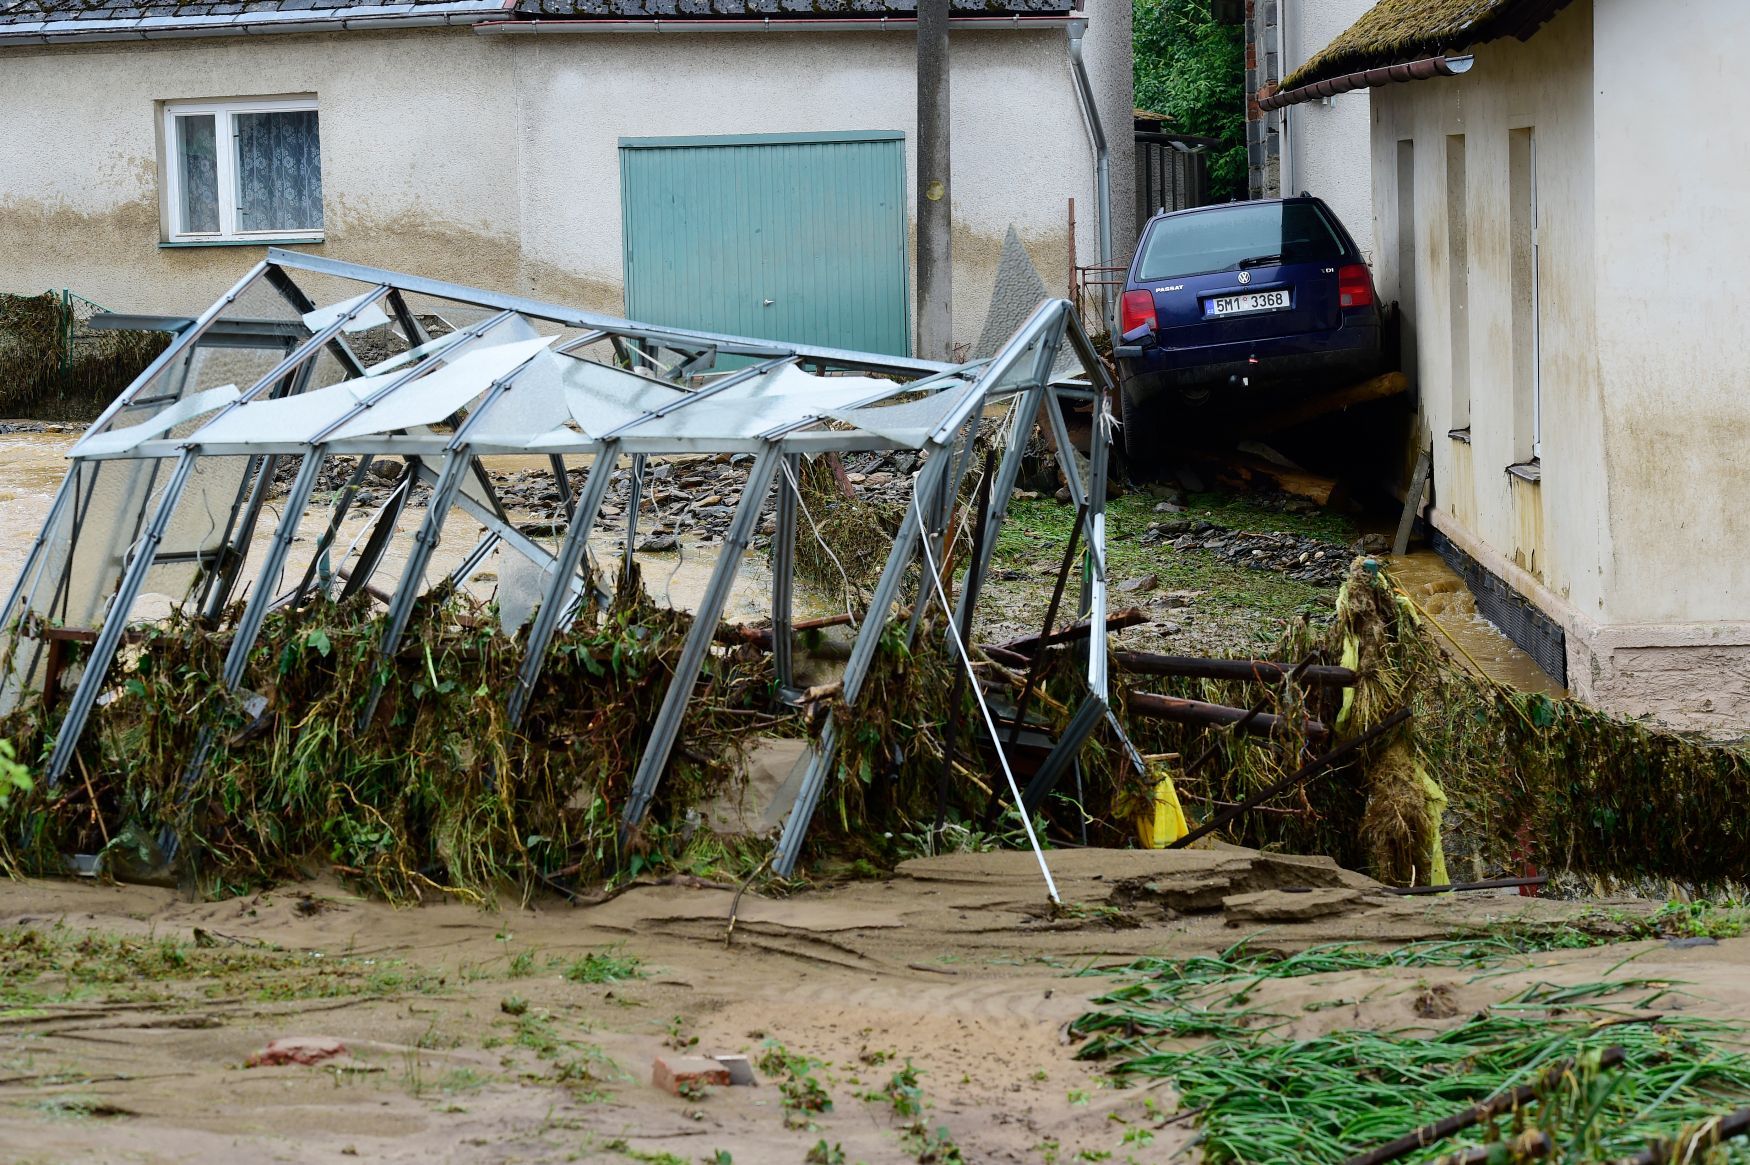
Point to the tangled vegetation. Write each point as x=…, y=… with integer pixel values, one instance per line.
x=434, y=792
x=1265, y=1096
x=54, y=367
x=1524, y=780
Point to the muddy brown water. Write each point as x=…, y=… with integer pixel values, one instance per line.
x=32, y=465
x=1461, y=628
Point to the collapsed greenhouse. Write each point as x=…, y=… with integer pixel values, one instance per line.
x=266, y=669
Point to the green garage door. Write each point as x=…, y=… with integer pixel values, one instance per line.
x=797, y=237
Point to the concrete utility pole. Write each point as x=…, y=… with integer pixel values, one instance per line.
x=935, y=208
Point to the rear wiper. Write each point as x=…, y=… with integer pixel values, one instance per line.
x=1258, y=261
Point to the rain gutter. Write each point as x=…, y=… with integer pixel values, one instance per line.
x=1422, y=70
x=656, y=24
x=366, y=17
x=1102, y=163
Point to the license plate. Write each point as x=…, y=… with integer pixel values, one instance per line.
x=1238, y=305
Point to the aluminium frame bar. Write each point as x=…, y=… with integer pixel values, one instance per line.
x=677, y=338
x=700, y=635
x=572, y=553
x=820, y=766
x=110, y=637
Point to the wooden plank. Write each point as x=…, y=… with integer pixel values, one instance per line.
x=1413, y=501
x=1386, y=384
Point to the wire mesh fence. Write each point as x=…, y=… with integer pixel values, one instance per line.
x=54, y=365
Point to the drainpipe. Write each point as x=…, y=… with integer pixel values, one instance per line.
x=1285, y=177
x=1102, y=162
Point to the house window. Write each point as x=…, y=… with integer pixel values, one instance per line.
x=1523, y=282
x=247, y=170
x=1458, y=281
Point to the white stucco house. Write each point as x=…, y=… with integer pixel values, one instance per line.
x=739, y=165
x=1318, y=147
x=1563, y=221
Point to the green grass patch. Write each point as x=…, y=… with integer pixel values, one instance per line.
x=1033, y=538
x=610, y=966
x=58, y=964
x=1266, y=1099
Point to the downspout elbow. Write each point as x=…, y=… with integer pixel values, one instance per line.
x=1102, y=162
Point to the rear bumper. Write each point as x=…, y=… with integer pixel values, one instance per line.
x=1314, y=362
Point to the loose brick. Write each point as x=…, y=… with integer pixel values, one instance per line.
x=669, y=1073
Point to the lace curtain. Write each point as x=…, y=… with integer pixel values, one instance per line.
x=279, y=171
x=200, y=174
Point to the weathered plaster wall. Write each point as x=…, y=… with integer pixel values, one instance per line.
x=417, y=171
x=493, y=159
x=1329, y=151
x=1019, y=147
x=1624, y=539
x=1672, y=245
x=1544, y=84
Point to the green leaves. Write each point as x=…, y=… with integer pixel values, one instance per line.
x=317, y=641
x=1193, y=69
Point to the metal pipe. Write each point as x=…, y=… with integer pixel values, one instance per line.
x=1422, y=70
x=784, y=571
x=1102, y=159
x=1182, y=711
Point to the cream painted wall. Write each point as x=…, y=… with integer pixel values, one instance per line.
x=419, y=171
x=1329, y=148
x=1544, y=84
x=1673, y=243
x=493, y=159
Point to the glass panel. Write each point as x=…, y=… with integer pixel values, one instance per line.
x=198, y=171
x=1222, y=238
x=279, y=171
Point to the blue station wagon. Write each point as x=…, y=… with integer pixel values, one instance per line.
x=1225, y=303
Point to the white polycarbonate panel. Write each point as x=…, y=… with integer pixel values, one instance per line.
x=368, y=317
x=534, y=403
x=432, y=398
x=166, y=419
x=910, y=423
x=509, y=331
x=601, y=399
x=782, y=397
x=293, y=418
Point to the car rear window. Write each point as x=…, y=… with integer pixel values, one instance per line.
x=1219, y=240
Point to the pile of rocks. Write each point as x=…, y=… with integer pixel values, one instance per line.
x=1306, y=559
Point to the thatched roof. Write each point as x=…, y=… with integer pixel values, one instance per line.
x=1395, y=31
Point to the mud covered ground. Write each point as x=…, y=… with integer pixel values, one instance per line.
x=528, y=1034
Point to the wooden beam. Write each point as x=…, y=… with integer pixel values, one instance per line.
x=1262, y=671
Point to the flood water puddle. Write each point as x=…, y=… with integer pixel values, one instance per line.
x=1444, y=598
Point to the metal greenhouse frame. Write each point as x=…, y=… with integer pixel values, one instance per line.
x=167, y=489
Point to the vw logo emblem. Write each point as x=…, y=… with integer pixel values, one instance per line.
x=1245, y=276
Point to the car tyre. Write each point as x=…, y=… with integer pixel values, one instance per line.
x=1141, y=429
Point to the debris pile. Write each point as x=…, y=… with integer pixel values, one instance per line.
x=1306, y=559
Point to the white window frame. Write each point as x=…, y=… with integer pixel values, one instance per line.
x=225, y=134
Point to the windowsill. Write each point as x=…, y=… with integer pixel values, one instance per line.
x=1460, y=434
x=290, y=241
x=1531, y=471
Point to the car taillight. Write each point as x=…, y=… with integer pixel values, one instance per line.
x=1135, y=311
x=1355, y=286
